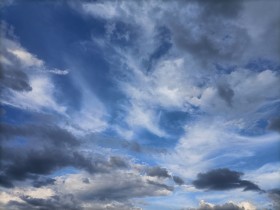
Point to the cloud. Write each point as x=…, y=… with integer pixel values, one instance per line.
x=178, y=180
x=115, y=185
x=55, y=202
x=267, y=176
x=223, y=179
x=158, y=171
x=227, y=206
x=14, y=79
x=226, y=93
x=23, y=77
x=168, y=63
x=112, y=190
x=274, y=195
x=30, y=151
x=275, y=124
x=40, y=182
x=46, y=133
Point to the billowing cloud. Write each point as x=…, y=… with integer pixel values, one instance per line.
x=223, y=179
x=227, y=206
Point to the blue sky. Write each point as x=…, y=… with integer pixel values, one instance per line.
x=140, y=105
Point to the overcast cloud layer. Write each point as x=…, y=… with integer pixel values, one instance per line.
x=129, y=105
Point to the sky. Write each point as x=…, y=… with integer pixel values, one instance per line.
x=129, y=105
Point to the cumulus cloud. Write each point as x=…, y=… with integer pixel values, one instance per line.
x=227, y=206
x=223, y=179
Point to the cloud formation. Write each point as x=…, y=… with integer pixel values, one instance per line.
x=120, y=105
x=223, y=179
x=227, y=206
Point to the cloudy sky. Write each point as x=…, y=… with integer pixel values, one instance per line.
x=129, y=105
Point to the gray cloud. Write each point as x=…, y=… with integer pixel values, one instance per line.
x=12, y=75
x=178, y=180
x=55, y=203
x=43, y=181
x=226, y=93
x=52, y=148
x=124, y=186
x=118, y=162
x=40, y=132
x=275, y=124
x=226, y=206
x=274, y=195
x=223, y=179
x=210, y=35
x=158, y=172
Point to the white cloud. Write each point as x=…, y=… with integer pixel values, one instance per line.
x=211, y=144
x=267, y=176
x=39, y=98
x=26, y=58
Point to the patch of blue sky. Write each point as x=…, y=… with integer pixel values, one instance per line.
x=172, y=122
x=16, y=116
x=65, y=171
x=255, y=129
x=148, y=138
x=67, y=93
x=164, y=43
x=121, y=34
x=55, y=28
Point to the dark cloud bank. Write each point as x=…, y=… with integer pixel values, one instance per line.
x=223, y=179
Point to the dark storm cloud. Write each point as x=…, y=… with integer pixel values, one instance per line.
x=5, y=182
x=178, y=180
x=19, y=165
x=53, y=148
x=275, y=124
x=42, y=181
x=52, y=134
x=226, y=93
x=158, y=172
x=223, y=179
x=23, y=164
x=226, y=206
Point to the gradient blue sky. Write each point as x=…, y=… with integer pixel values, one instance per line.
x=148, y=105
